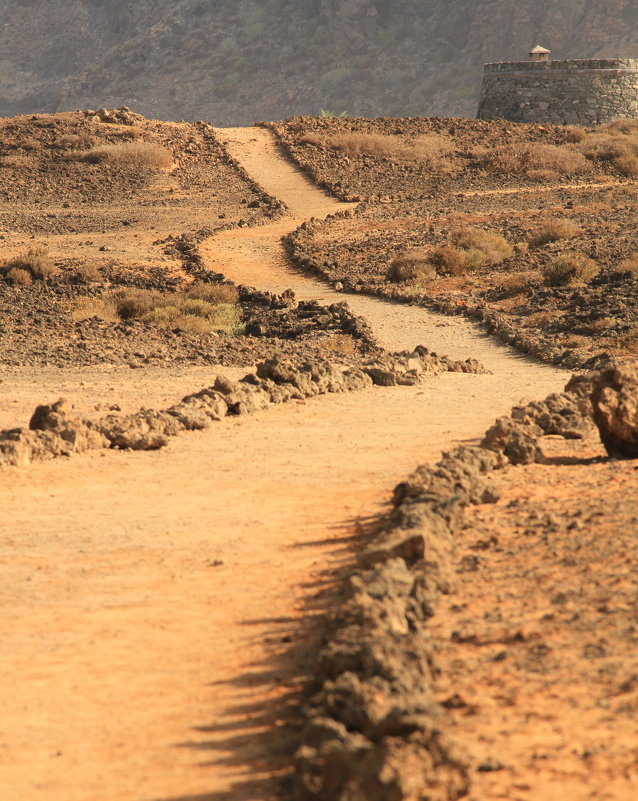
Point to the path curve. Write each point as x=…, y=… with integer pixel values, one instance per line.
x=152, y=633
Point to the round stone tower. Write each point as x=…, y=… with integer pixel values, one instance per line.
x=574, y=92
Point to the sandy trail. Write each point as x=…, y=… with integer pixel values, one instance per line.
x=152, y=630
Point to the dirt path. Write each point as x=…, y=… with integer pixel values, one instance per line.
x=151, y=635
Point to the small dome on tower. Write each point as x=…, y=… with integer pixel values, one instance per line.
x=539, y=53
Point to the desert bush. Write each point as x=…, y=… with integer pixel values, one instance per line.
x=88, y=273
x=128, y=154
x=18, y=162
x=627, y=165
x=35, y=261
x=430, y=150
x=134, y=303
x=413, y=265
x=570, y=268
x=552, y=231
x=615, y=142
x=627, y=125
x=493, y=246
x=449, y=260
x=103, y=308
x=177, y=310
x=19, y=277
x=75, y=142
x=213, y=293
x=629, y=265
x=532, y=159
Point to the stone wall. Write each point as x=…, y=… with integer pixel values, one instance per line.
x=572, y=92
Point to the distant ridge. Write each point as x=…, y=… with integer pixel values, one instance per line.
x=236, y=61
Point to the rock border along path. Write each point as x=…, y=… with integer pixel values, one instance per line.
x=158, y=600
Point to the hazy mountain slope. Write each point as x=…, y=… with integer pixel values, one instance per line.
x=234, y=61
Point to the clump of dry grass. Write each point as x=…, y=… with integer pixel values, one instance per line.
x=471, y=249
x=630, y=265
x=75, y=142
x=492, y=246
x=128, y=154
x=20, y=162
x=103, y=308
x=552, y=231
x=213, y=293
x=412, y=265
x=178, y=310
x=88, y=273
x=36, y=261
x=431, y=150
x=19, y=277
x=616, y=142
x=570, y=268
x=534, y=160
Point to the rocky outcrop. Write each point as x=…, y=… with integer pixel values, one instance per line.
x=614, y=397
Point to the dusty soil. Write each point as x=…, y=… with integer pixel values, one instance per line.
x=535, y=644
x=414, y=205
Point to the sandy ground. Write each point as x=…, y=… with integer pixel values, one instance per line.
x=154, y=636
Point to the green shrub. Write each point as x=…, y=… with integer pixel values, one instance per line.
x=570, y=268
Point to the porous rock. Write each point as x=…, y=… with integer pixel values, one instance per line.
x=614, y=399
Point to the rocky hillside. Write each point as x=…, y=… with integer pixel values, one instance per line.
x=236, y=61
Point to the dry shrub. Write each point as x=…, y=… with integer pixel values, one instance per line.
x=213, y=293
x=430, y=150
x=454, y=261
x=18, y=162
x=570, y=268
x=543, y=176
x=493, y=246
x=19, y=277
x=35, y=261
x=472, y=249
x=128, y=154
x=75, y=142
x=413, y=265
x=88, y=273
x=622, y=125
x=532, y=159
x=574, y=134
x=134, y=303
x=514, y=284
x=103, y=308
x=176, y=310
x=627, y=165
x=552, y=231
x=615, y=142
x=630, y=265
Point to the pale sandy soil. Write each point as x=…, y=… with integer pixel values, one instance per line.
x=153, y=630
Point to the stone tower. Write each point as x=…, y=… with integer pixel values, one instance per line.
x=574, y=92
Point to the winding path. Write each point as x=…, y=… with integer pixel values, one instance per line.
x=152, y=636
